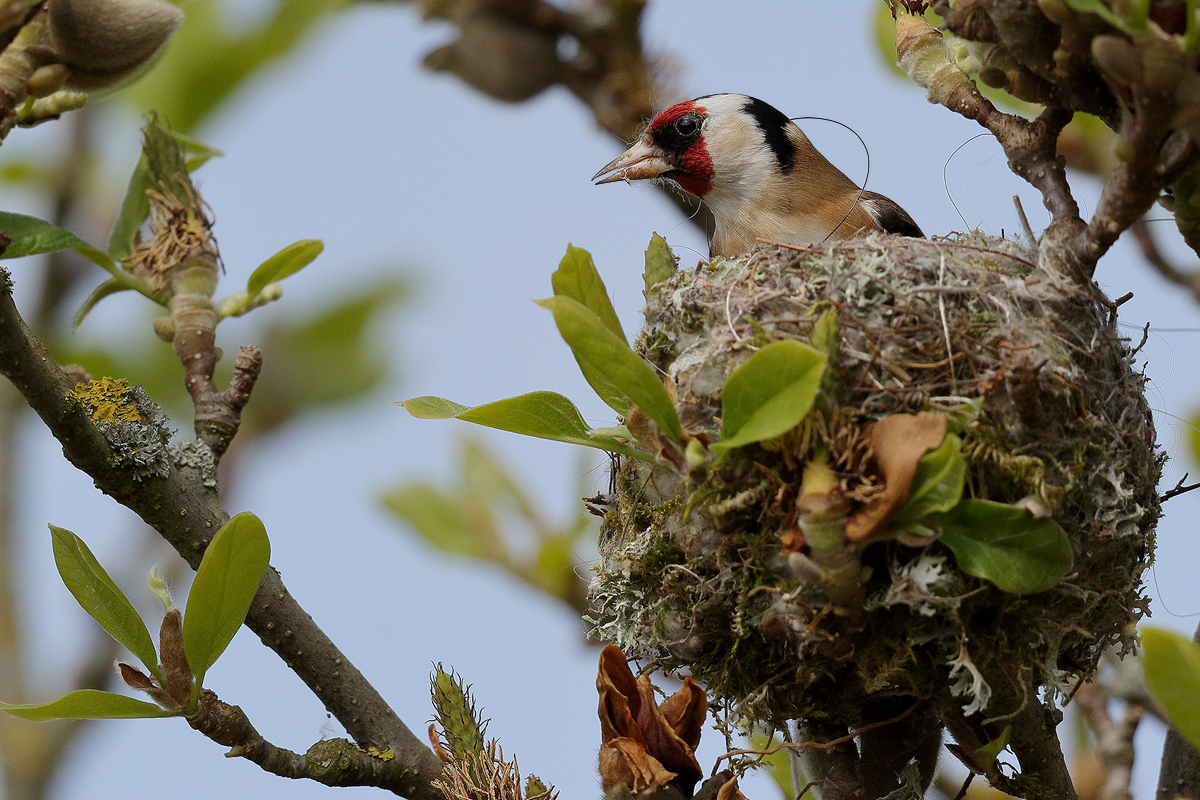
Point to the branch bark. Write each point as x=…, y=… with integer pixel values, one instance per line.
x=332, y=762
x=187, y=515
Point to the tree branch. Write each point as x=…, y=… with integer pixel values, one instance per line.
x=507, y=49
x=187, y=515
x=1149, y=245
x=333, y=762
x=1114, y=743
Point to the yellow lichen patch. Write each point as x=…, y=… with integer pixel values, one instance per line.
x=382, y=755
x=107, y=399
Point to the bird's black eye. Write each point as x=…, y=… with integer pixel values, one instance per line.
x=680, y=133
x=687, y=126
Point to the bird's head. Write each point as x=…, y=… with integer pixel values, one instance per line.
x=714, y=146
x=757, y=172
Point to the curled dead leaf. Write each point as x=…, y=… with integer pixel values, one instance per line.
x=898, y=442
x=645, y=745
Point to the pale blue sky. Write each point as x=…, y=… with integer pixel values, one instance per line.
x=350, y=142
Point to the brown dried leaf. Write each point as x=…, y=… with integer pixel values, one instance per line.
x=898, y=442
x=663, y=742
x=685, y=711
x=625, y=762
x=792, y=540
x=643, y=745
x=620, y=701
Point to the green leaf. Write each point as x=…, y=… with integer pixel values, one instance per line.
x=135, y=208
x=1005, y=545
x=599, y=349
x=938, y=484
x=209, y=58
x=577, y=278
x=287, y=261
x=32, y=236
x=545, y=415
x=1172, y=666
x=445, y=523
x=88, y=704
x=991, y=751
x=225, y=585
x=769, y=394
x=101, y=598
x=825, y=332
x=110, y=286
x=660, y=264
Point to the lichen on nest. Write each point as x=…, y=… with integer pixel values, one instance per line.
x=702, y=567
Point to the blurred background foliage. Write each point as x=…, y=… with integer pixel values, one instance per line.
x=323, y=358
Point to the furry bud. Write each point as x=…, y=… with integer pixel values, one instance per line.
x=500, y=57
x=105, y=41
x=1118, y=58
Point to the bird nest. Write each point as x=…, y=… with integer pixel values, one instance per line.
x=701, y=567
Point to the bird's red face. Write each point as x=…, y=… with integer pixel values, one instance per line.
x=672, y=147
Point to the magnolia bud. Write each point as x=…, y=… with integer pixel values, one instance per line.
x=500, y=57
x=105, y=41
x=1118, y=58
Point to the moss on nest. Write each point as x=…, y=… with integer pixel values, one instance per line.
x=1035, y=380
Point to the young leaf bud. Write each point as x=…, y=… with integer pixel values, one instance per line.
x=105, y=41
x=47, y=80
x=159, y=588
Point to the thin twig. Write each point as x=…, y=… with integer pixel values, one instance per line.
x=187, y=515
x=1148, y=243
x=1179, y=489
x=830, y=745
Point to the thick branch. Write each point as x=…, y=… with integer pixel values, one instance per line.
x=187, y=516
x=1030, y=146
x=333, y=762
x=1035, y=742
x=1114, y=743
x=508, y=50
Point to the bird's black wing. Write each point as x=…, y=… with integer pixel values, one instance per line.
x=890, y=217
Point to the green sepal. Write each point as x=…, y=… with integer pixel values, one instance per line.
x=660, y=265
x=938, y=484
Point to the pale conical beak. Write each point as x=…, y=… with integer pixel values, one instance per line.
x=643, y=160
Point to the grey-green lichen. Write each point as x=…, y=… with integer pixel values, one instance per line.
x=132, y=424
x=1036, y=381
x=195, y=456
